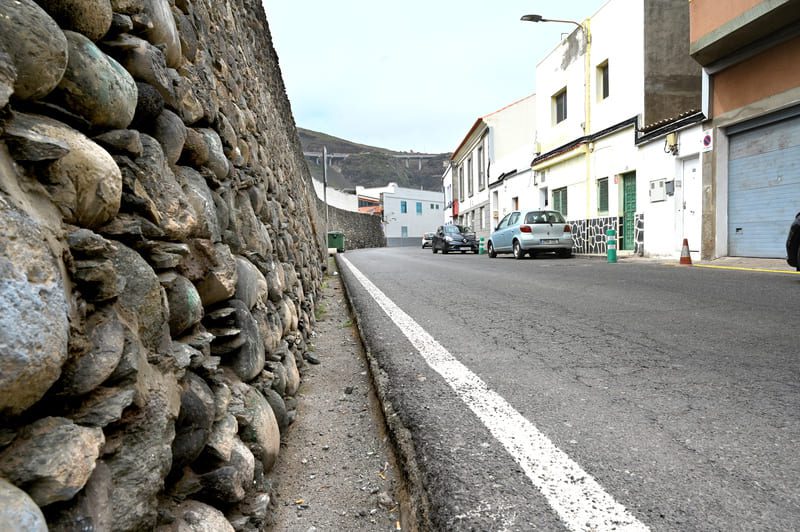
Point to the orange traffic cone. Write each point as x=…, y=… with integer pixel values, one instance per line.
x=685, y=257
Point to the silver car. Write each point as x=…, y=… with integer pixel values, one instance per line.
x=531, y=232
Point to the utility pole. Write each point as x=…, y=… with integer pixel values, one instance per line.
x=325, y=187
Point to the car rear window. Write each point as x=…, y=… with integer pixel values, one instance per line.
x=544, y=217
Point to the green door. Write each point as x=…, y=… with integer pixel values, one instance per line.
x=628, y=210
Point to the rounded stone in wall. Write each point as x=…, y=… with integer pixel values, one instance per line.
x=37, y=47
x=185, y=305
x=86, y=184
x=89, y=17
x=95, y=86
x=34, y=326
x=18, y=511
x=163, y=30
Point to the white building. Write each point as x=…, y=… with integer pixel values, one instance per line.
x=618, y=117
x=335, y=198
x=490, y=149
x=407, y=212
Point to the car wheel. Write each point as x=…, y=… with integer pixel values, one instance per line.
x=444, y=249
x=518, y=251
x=490, y=249
x=798, y=259
x=433, y=248
x=565, y=253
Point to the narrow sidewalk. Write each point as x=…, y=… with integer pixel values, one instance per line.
x=336, y=469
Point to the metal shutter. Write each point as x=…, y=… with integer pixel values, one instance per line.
x=763, y=188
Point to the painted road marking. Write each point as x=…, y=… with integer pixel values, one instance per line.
x=576, y=497
x=744, y=269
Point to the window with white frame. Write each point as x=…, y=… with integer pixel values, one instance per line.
x=470, y=187
x=560, y=200
x=602, y=196
x=461, y=182
x=481, y=173
x=602, y=81
x=560, y=106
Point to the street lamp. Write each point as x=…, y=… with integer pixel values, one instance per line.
x=539, y=18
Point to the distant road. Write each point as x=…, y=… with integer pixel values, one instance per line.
x=559, y=394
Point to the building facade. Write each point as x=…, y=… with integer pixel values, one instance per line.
x=749, y=52
x=617, y=126
x=486, y=152
x=407, y=212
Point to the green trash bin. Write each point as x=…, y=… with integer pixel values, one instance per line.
x=336, y=240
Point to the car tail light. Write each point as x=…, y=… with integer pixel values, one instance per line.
x=525, y=228
x=567, y=228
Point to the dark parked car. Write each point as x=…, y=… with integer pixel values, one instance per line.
x=793, y=244
x=454, y=238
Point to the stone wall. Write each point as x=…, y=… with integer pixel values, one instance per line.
x=161, y=256
x=360, y=230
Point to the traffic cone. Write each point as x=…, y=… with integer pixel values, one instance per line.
x=685, y=257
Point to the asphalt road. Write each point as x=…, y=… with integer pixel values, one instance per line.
x=559, y=394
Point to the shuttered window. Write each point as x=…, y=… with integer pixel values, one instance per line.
x=602, y=195
x=560, y=200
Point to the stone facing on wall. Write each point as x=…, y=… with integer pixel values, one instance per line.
x=360, y=230
x=590, y=235
x=162, y=254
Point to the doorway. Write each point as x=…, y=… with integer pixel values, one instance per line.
x=628, y=211
x=690, y=206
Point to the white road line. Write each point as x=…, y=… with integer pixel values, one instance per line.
x=576, y=497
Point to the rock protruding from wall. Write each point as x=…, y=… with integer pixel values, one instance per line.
x=161, y=256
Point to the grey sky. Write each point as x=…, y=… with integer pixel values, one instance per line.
x=411, y=75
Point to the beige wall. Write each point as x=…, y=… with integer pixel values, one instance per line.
x=708, y=15
x=767, y=74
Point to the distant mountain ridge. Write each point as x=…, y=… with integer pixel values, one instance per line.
x=352, y=164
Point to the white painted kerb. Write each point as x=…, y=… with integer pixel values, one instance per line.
x=576, y=497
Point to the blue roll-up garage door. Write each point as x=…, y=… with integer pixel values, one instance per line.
x=763, y=188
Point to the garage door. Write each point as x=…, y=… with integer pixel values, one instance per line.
x=763, y=188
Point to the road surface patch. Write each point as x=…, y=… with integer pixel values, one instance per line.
x=578, y=499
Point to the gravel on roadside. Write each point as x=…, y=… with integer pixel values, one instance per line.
x=336, y=469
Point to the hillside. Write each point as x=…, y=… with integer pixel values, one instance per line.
x=371, y=166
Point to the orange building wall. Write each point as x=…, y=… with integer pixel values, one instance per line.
x=771, y=72
x=708, y=15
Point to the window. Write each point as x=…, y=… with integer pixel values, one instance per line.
x=560, y=200
x=515, y=203
x=469, y=176
x=432, y=206
x=404, y=231
x=602, y=81
x=602, y=195
x=461, y=182
x=403, y=207
x=481, y=174
x=481, y=223
x=560, y=106
x=504, y=222
x=419, y=208
x=512, y=221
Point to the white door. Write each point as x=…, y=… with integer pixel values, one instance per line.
x=690, y=206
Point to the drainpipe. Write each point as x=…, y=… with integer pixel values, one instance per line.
x=587, y=111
